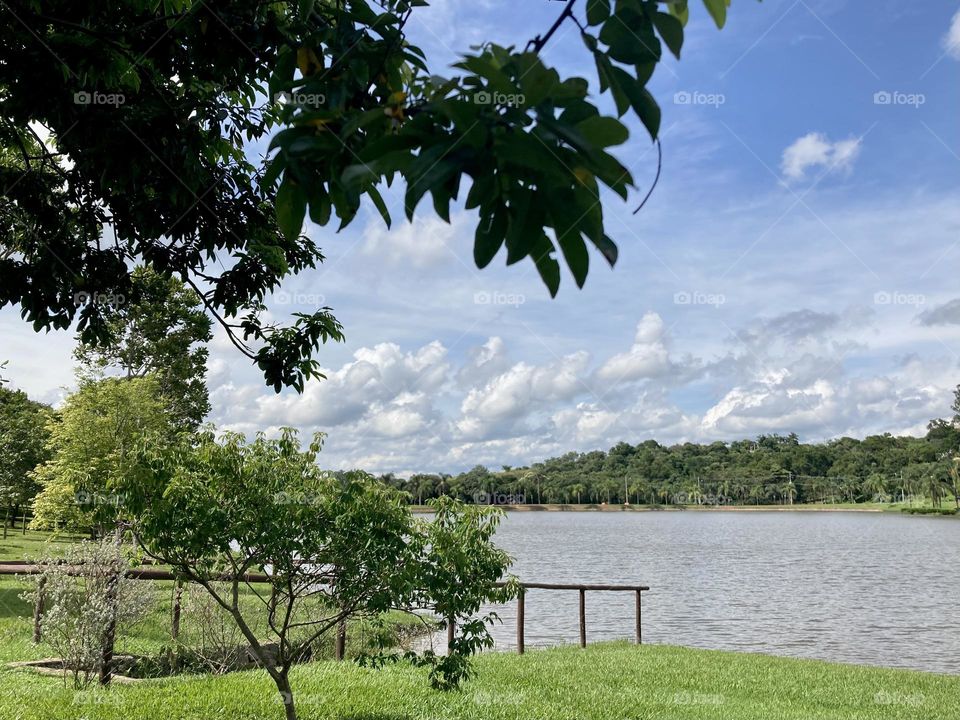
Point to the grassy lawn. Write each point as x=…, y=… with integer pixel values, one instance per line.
x=32, y=545
x=614, y=680
x=605, y=681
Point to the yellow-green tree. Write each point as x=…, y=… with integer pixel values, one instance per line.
x=92, y=448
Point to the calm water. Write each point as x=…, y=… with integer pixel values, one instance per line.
x=851, y=587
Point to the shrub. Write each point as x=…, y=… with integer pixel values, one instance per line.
x=84, y=591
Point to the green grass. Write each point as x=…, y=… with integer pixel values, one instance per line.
x=603, y=681
x=32, y=545
x=617, y=680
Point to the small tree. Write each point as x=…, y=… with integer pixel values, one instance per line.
x=86, y=595
x=331, y=547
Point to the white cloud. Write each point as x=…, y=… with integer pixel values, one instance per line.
x=815, y=150
x=647, y=357
x=425, y=242
x=951, y=41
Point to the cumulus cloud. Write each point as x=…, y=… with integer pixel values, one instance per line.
x=946, y=314
x=648, y=356
x=425, y=242
x=816, y=150
x=510, y=396
x=951, y=41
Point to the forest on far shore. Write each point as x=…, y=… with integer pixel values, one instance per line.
x=771, y=470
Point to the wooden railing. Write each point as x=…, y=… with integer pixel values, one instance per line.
x=24, y=568
x=582, y=589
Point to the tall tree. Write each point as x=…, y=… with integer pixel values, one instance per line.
x=93, y=449
x=23, y=446
x=161, y=329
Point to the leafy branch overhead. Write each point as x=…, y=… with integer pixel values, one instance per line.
x=126, y=136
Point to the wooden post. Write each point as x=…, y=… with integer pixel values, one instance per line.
x=340, y=645
x=583, y=618
x=638, y=618
x=451, y=628
x=177, y=606
x=520, y=599
x=174, y=655
x=38, y=609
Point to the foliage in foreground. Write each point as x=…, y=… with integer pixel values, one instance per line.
x=132, y=121
x=217, y=509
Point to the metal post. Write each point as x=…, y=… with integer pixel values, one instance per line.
x=520, y=599
x=583, y=617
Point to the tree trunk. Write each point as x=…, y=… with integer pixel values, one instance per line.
x=286, y=694
x=109, y=637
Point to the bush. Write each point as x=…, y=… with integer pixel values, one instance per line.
x=84, y=591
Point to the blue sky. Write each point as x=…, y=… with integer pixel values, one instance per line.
x=793, y=271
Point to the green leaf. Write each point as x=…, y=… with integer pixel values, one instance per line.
x=671, y=30
x=603, y=131
x=633, y=43
x=717, y=10
x=608, y=249
x=680, y=11
x=291, y=207
x=641, y=100
x=547, y=264
x=489, y=236
x=379, y=203
x=575, y=253
x=597, y=11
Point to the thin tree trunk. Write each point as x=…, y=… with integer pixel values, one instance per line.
x=283, y=685
x=109, y=637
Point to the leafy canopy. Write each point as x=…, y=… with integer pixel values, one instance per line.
x=93, y=447
x=161, y=329
x=23, y=446
x=126, y=126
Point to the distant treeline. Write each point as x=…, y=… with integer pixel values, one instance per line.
x=771, y=470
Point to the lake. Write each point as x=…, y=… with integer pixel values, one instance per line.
x=870, y=588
